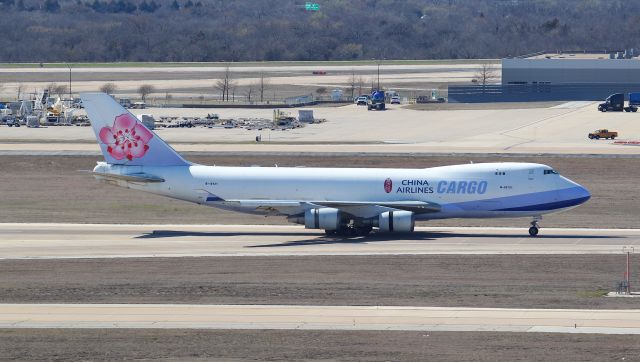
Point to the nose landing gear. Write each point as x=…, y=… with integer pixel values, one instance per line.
x=533, y=230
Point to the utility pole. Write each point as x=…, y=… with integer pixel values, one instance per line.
x=69, y=65
x=378, y=61
x=629, y=250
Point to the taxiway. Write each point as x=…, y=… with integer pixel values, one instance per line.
x=318, y=318
x=53, y=241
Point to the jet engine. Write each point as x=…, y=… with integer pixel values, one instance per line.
x=324, y=218
x=396, y=221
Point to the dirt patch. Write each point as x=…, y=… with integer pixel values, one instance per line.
x=274, y=345
x=514, y=281
x=52, y=189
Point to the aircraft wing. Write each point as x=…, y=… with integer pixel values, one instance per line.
x=418, y=207
x=356, y=208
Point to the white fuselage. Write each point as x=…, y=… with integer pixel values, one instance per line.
x=470, y=190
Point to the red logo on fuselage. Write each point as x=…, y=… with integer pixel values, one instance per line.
x=388, y=185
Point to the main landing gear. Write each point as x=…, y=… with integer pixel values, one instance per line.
x=350, y=231
x=533, y=230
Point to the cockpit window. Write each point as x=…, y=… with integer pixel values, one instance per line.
x=550, y=172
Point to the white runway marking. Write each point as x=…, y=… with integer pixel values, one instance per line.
x=573, y=105
x=58, y=241
x=318, y=318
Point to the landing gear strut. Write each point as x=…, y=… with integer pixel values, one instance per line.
x=350, y=231
x=533, y=230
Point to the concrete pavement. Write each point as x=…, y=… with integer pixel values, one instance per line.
x=318, y=318
x=53, y=241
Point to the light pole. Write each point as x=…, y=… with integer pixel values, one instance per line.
x=629, y=250
x=69, y=65
x=378, y=75
x=378, y=61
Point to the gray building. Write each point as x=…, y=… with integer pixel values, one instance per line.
x=560, y=77
x=570, y=71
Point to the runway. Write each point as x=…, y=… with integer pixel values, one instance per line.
x=57, y=241
x=177, y=316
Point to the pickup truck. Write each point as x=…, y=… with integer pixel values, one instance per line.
x=602, y=133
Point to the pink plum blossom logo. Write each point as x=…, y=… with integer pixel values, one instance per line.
x=388, y=185
x=127, y=138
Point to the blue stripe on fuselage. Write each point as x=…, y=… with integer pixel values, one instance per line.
x=550, y=205
x=536, y=201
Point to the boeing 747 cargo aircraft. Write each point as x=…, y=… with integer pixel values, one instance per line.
x=340, y=201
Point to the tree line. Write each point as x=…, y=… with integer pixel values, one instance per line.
x=272, y=30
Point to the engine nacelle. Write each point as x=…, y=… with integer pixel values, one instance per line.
x=396, y=221
x=324, y=218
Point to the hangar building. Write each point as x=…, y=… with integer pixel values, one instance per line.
x=562, y=76
x=570, y=69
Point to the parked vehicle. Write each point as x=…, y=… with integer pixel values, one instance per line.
x=362, y=100
x=12, y=122
x=428, y=99
x=634, y=102
x=603, y=133
x=613, y=103
x=126, y=102
x=395, y=100
x=376, y=101
x=77, y=103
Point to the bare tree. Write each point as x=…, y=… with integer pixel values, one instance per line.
x=360, y=84
x=144, y=90
x=249, y=91
x=353, y=81
x=320, y=91
x=19, y=89
x=485, y=74
x=263, y=85
x=225, y=83
x=58, y=89
x=108, y=88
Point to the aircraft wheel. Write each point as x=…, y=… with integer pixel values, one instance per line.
x=364, y=231
x=533, y=231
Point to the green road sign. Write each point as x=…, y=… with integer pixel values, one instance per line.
x=312, y=6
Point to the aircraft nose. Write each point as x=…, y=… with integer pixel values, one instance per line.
x=575, y=193
x=583, y=194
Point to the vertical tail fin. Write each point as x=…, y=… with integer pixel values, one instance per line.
x=123, y=139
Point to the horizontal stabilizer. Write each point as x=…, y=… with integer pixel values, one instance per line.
x=133, y=177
